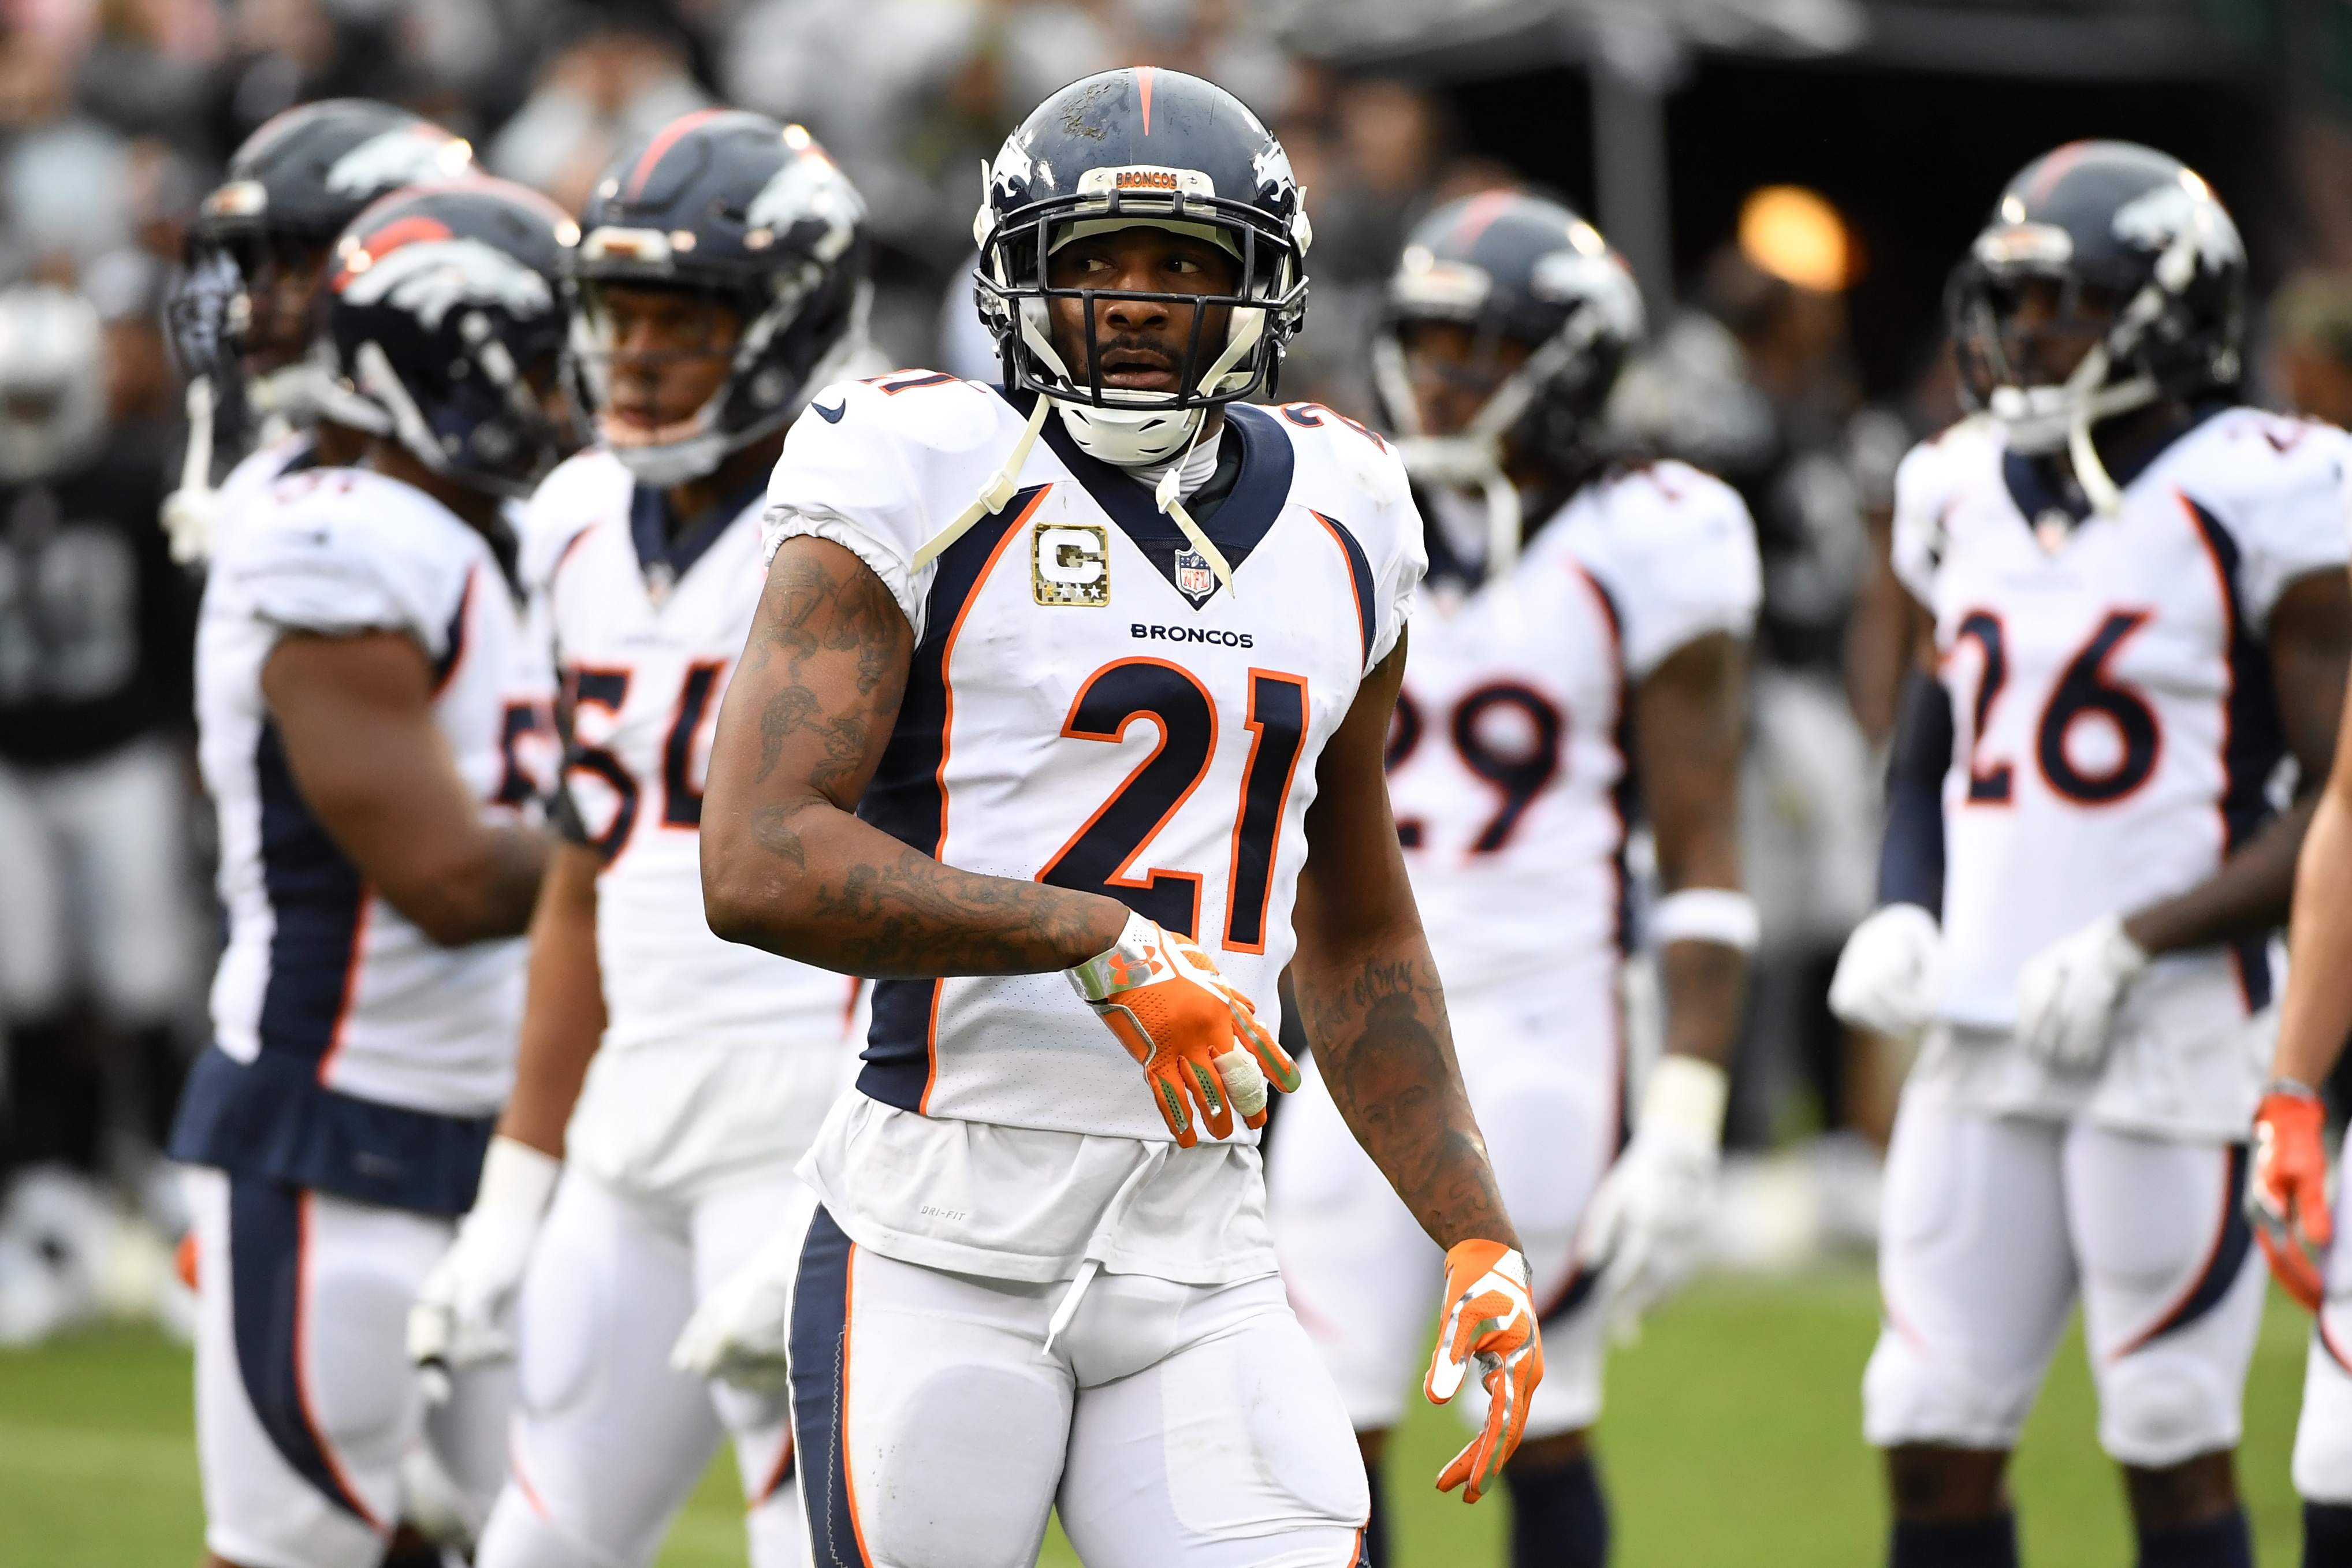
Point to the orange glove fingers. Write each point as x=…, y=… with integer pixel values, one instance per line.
x=2292, y=1267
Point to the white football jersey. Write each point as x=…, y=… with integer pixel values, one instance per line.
x=643, y=634
x=1506, y=757
x=319, y=969
x=1088, y=707
x=2116, y=731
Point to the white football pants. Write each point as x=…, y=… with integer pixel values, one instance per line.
x=608, y=1440
x=1993, y=1225
x=1364, y=1277
x=1174, y=1426
x=2323, y=1436
x=311, y=1427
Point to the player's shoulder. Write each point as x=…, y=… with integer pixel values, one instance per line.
x=587, y=489
x=1663, y=515
x=341, y=549
x=1341, y=469
x=916, y=412
x=2249, y=456
x=1940, y=465
x=258, y=468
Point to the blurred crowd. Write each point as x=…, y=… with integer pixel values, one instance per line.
x=117, y=116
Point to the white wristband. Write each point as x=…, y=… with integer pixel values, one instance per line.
x=1714, y=915
x=1685, y=1098
x=516, y=1178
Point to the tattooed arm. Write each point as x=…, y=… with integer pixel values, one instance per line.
x=1367, y=991
x=786, y=864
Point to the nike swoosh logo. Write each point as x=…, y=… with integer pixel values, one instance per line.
x=832, y=415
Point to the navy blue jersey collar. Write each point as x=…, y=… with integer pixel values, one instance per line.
x=2037, y=489
x=1259, y=491
x=659, y=555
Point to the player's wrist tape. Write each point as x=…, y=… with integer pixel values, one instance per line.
x=2294, y=1087
x=1686, y=1098
x=516, y=1178
x=1122, y=965
x=1714, y=915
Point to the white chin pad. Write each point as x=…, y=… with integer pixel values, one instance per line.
x=1130, y=437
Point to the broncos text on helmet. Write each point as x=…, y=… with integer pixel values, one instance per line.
x=445, y=322
x=1142, y=148
x=754, y=216
x=1520, y=269
x=2143, y=254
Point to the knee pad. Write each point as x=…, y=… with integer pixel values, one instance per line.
x=2157, y=1410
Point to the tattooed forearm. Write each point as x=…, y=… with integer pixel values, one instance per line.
x=1377, y=1019
x=786, y=864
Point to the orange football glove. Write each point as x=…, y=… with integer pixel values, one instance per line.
x=1199, y=1040
x=1490, y=1316
x=2288, y=1192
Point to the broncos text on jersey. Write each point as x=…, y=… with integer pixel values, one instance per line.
x=1506, y=754
x=2116, y=737
x=1089, y=708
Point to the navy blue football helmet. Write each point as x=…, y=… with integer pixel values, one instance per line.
x=1142, y=148
x=2168, y=267
x=445, y=314
x=291, y=188
x=754, y=216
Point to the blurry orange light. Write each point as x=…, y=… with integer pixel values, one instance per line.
x=1797, y=237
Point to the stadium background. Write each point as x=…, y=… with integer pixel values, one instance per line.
x=1793, y=179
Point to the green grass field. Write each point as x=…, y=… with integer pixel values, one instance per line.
x=1732, y=1438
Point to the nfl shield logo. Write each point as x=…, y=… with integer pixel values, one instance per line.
x=1193, y=578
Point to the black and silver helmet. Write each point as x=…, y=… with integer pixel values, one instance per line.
x=1142, y=147
x=2148, y=232
x=1513, y=268
x=444, y=303
x=292, y=187
x=755, y=216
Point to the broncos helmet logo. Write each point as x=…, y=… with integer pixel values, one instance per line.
x=404, y=157
x=809, y=189
x=428, y=272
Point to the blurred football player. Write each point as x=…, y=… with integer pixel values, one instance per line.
x=96, y=634
x=1582, y=626
x=365, y=709
x=249, y=316
x=2133, y=612
x=1080, y=652
x=720, y=277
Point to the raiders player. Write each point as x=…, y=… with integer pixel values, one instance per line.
x=1103, y=660
x=365, y=709
x=2138, y=609
x=1582, y=627
x=719, y=277
x=246, y=317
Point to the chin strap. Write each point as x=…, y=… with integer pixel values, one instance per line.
x=994, y=496
x=1172, y=505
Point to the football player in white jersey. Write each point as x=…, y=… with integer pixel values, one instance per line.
x=1101, y=661
x=245, y=315
x=2133, y=613
x=2286, y=1196
x=1582, y=628
x=365, y=708
x=720, y=276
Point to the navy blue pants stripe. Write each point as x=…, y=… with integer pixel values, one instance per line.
x=2229, y=1249
x=265, y=1251
x=820, y=1349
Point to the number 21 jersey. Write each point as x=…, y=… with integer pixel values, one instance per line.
x=1089, y=708
x=2116, y=737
